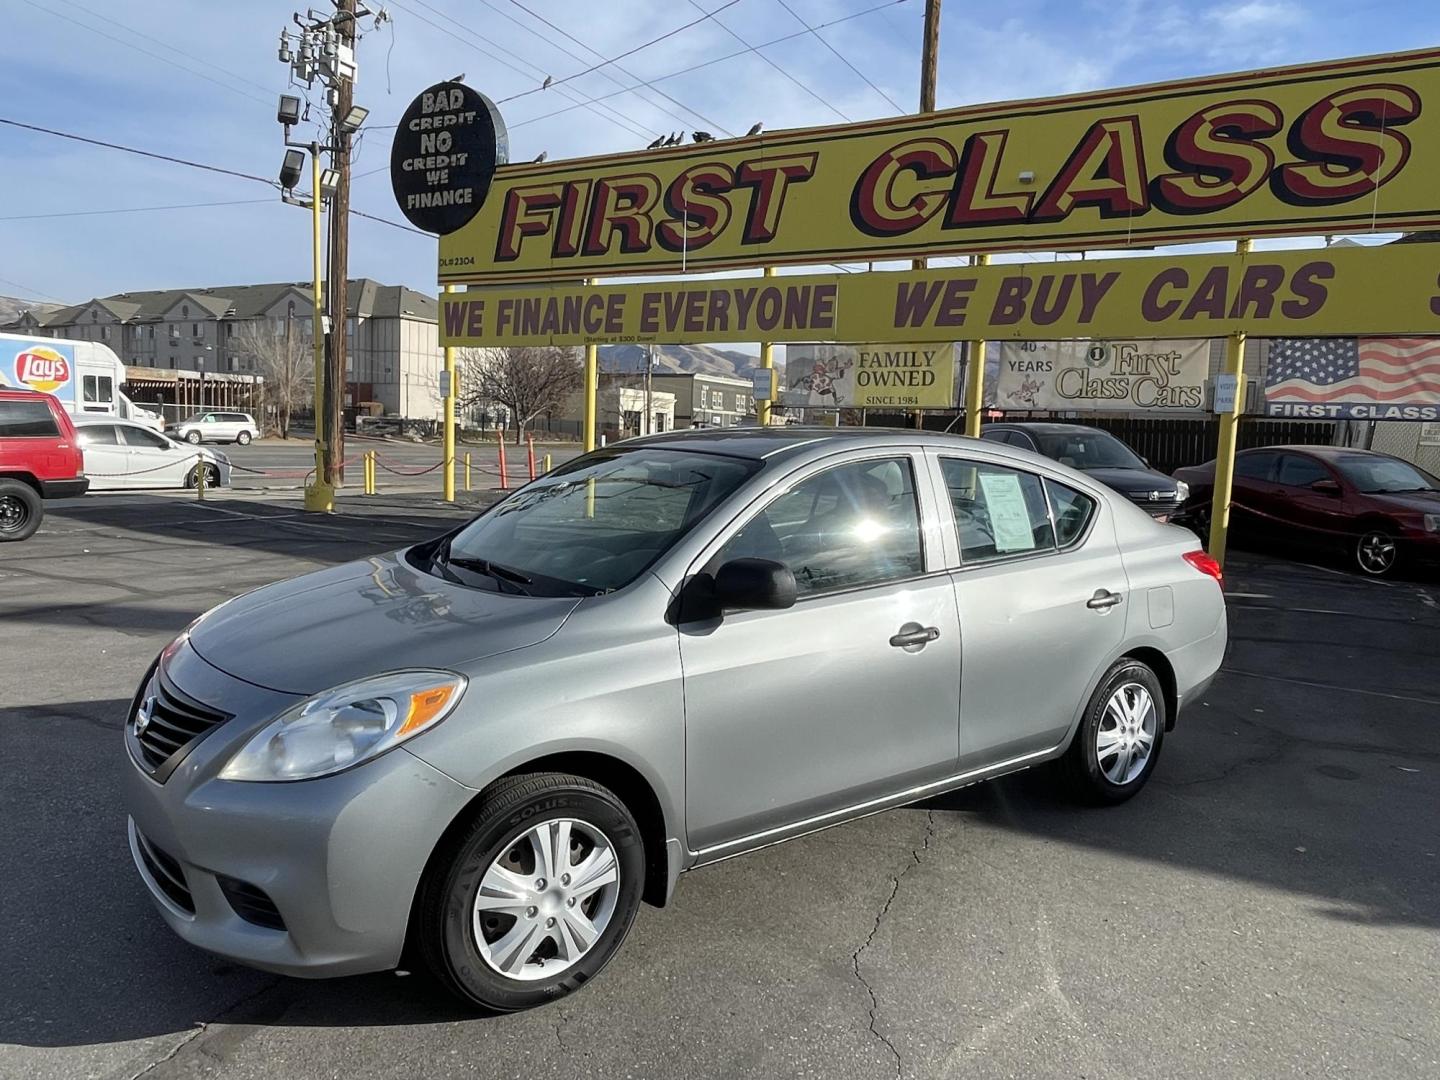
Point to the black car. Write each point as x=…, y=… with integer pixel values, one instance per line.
x=1101, y=455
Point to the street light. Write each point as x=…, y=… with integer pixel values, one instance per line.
x=291, y=169
x=288, y=112
x=352, y=120
x=329, y=182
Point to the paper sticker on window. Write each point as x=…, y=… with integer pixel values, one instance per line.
x=1009, y=516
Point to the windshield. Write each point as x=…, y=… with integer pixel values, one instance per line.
x=1089, y=450
x=1376, y=475
x=592, y=525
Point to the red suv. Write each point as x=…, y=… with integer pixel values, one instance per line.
x=39, y=459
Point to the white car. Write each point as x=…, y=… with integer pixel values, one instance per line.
x=123, y=455
x=215, y=426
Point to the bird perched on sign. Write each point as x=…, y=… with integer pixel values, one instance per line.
x=754, y=130
x=657, y=143
x=541, y=156
x=548, y=80
x=702, y=136
x=459, y=78
x=674, y=139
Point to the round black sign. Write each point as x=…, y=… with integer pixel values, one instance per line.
x=446, y=148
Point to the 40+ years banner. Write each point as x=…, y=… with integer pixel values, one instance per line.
x=1341, y=146
x=1104, y=376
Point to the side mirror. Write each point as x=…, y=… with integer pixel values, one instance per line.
x=1326, y=487
x=754, y=585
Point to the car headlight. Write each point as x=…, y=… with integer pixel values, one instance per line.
x=1182, y=491
x=347, y=725
x=1432, y=523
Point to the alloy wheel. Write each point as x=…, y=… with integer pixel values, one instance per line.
x=1375, y=552
x=546, y=900
x=1125, y=735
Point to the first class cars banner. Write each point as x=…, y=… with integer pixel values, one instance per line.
x=1104, y=376
x=1322, y=292
x=1343, y=146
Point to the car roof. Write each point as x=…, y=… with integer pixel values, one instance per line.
x=99, y=418
x=770, y=443
x=1326, y=452
x=1043, y=427
x=24, y=392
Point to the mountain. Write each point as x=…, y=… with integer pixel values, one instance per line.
x=685, y=359
x=12, y=306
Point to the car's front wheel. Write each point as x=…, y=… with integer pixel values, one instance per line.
x=1118, y=742
x=193, y=438
x=212, y=477
x=534, y=895
x=1376, y=552
x=243, y=438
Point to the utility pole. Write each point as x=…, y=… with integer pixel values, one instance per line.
x=341, y=135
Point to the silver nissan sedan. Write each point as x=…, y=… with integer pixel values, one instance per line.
x=488, y=749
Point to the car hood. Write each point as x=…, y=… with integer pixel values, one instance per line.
x=1133, y=482
x=1415, y=502
x=363, y=618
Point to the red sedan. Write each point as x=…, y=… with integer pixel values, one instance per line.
x=1378, y=508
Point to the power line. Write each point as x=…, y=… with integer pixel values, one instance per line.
x=142, y=153
x=392, y=224
x=721, y=59
x=777, y=67
x=153, y=55
x=628, y=52
x=623, y=121
x=132, y=210
x=36, y=293
x=625, y=71
x=897, y=106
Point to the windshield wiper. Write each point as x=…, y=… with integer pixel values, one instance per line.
x=490, y=569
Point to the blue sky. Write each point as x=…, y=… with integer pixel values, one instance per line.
x=69, y=67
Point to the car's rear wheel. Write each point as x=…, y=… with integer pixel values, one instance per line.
x=534, y=895
x=243, y=438
x=193, y=438
x=21, y=510
x=212, y=476
x=1118, y=742
x=1376, y=552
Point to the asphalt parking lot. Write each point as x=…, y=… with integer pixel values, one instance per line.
x=1268, y=907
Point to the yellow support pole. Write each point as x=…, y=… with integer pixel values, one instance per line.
x=467, y=470
x=319, y=496
x=975, y=375
x=592, y=385
x=448, y=440
x=767, y=362
x=1225, y=451
x=547, y=463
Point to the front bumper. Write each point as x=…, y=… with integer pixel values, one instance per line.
x=339, y=856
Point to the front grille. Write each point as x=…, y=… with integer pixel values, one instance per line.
x=1165, y=506
x=251, y=903
x=174, y=722
x=169, y=878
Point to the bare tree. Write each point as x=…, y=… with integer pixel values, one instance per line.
x=285, y=361
x=528, y=380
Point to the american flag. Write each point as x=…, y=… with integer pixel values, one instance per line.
x=1389, y=370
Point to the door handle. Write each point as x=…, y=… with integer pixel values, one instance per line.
x=914, y=636
x=1103, y=600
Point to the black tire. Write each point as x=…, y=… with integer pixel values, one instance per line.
x=193, y=438
x=1375, y=551
x=1082, y=768
x=21, y=511
x=1198, y=520
x=212, y=476
x=443, y=929
x=243, y=438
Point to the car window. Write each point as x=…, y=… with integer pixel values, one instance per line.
x=999, y=512
x=1297, y=471
x=208, y=418
x=98, y=435
x=849, y=526
x=1021, y=440
x=27, y=420
x=140, y=437
x=1072, y=509
x=1085, y=448
x=97, y=388
x=234, y=418
x=991, y=435
x=1376, y=474
x=1255, y=466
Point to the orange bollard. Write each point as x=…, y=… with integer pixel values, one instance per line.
x=500, y=447
x=531, y=440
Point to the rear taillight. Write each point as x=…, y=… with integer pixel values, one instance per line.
x=1205, y=564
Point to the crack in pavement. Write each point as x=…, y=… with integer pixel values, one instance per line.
x=916, y=860
x=203, y=1028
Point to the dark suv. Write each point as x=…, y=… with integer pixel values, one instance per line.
x=1101, y=455
x=39, y=459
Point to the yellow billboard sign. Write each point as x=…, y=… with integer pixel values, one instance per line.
x=1344, y=146
x=1314, y=293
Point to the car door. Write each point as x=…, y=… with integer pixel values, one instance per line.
x=1040, y=616
x=1254, y=491
x=107, y=458
x=850, y=695
x=1312, y=517
x=155, y=461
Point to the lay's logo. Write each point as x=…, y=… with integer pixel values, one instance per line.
x=42, y=369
